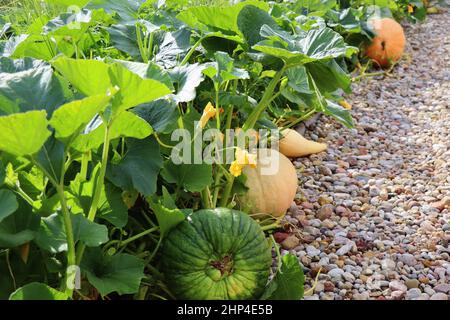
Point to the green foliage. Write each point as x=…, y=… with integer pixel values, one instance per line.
x=89, y=100
x=288, y=282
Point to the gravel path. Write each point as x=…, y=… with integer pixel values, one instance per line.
x=373, y=211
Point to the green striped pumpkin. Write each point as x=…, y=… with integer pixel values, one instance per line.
x=218, y=254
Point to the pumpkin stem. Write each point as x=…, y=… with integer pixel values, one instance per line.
x=225, y=266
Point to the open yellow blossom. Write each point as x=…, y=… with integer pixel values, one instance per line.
x=410, y=8
x=243, y=158
x=235, y=169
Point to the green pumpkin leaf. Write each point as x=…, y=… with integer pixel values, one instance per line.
x=37, y=291
x=133, y=90
x=288, y=283
x=250, y=20
x=121, y=273
x=167, y=200
x=68, y=3
x=161, y=114
x=167, y=218
x=313, y=45
x=148, y=71
x=218, y=41
x=298, y=80
x=223, y=69
x=32, y=181
x=23, y=133
x=70, y=119
x=90, y=233
x=124, y=38
x=186, y=78
x=94, y=82
x=71, y=24
x=339, y=113
x=217, y=18
x=8, y=65
x=111, y=205
x=51, y=158
x=28, y=84
x=37, y=46
x=126, y=124
x=20, y=227
x=8, y=203
x=192, y=177
x=346, y=19
x=139, y=168
x=173, y=48
x=52, y=236
x=329, y=76
x=127, y=10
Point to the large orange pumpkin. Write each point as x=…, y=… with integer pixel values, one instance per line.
x=388, y=44
x=271, y=186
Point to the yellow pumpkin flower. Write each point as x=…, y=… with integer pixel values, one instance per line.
x=243, y=158
x=236, y=169
x=208, y=113
x=410, y=8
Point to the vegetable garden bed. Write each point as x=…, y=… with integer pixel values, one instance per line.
x=138, y=139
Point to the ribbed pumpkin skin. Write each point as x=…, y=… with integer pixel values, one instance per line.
x=270, y=194
x=389, y=43
x=294, y=145
x=193, y=250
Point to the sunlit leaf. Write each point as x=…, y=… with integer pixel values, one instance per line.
x=23, y=133
x=70, y=119
x=37, y=291
x=28, y=84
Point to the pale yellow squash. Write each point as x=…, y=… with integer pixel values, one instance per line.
x=294, y=145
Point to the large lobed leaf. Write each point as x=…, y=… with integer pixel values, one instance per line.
x=28, y=84
x=52, y=235
x=217, y=18
x=121, y=273
x=312, y=45
x=139, y=168
x=102, y=77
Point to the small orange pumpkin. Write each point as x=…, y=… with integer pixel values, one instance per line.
x=388, y=44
